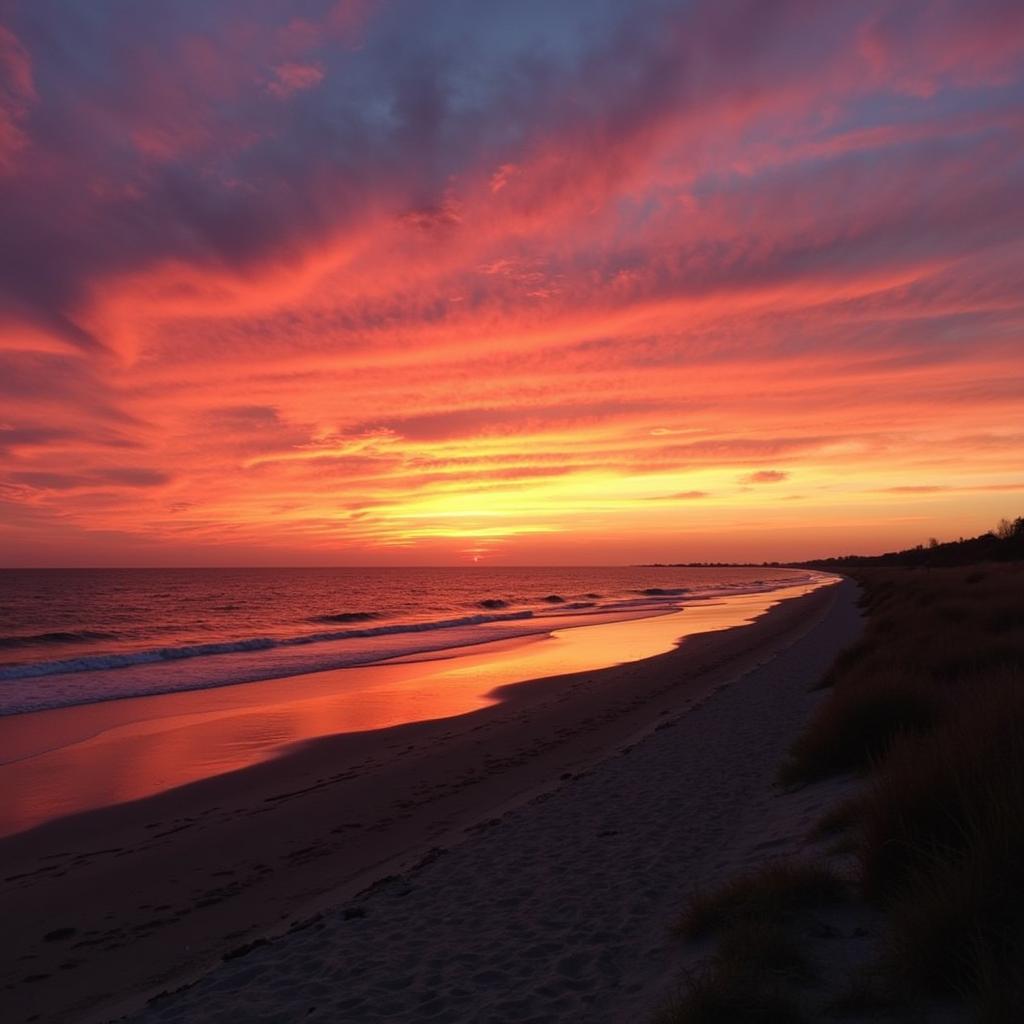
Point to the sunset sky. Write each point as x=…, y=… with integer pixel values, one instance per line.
x=519, y=283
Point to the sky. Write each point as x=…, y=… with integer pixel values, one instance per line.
x=467, y=281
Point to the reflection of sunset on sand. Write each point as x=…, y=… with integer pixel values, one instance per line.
x=76, y=759
x=234, y=855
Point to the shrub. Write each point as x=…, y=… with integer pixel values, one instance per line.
x=728, y=992
x=771, y=894
x=858, y=724
x=929, y=637
x=943, y=842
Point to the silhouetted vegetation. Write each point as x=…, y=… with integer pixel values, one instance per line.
x=757, y=958
x=768, y=895
x=1003, y=544
x=929, y=707
x=933, y=643
x=733, y=992
x=931, y=704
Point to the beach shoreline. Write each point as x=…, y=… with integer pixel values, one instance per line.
x=144, y=896
x=64, y=761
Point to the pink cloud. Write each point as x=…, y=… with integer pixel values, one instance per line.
x=292, y=78
x=17, y=92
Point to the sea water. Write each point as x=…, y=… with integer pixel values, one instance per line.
x=83, y=635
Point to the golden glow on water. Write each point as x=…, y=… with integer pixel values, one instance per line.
x=75, y=759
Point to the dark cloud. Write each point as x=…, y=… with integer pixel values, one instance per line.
x=14, y=437
x=441, y=426
x=133, y=476
x=50, y=481
x=244, y=417
x=681, y=496
x=124, y=476
x=236, y=136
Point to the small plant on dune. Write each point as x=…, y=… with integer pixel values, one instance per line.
x=1000, y=988
x=929, y=637
x=934, y=708
x=756, y=963
x=839, y=819
x=772, y=894
x=866, y=992
x=764, y=945
x=733, y=993
x=845, y=660
x=930, y=704
x=859, y=723
x=942, y=794
x=943, y=841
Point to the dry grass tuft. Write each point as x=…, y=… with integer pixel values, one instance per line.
x=933, y=706
x=930, y=637
x=764, y=945
x=930, y=704
x=718, y=998
x=743, y=984
x=839, y=820
x=757, y=964
x=859, y=723
x=868, y=992
x=943, y=843
x=770, y=895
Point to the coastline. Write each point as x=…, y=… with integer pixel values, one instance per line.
x=156, y=650
x=64, y=761
x=152, y=904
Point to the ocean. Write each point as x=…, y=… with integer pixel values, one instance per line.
x=84, y=635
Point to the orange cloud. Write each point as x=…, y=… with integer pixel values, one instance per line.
x=764, y=476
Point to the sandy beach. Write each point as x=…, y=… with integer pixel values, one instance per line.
x=555, y=832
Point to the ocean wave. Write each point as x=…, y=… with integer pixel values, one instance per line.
x=492, y=602
x=106, y=662
x=664, y=591
x=88, y=679
x=60, y=637
x=553, y=599
x=345, y=617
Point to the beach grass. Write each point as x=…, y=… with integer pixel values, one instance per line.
x=928, y=707
x=766, y=896
x=747, y=980
x=934, y=638
x=727, y=991
x=940, y=828
x=758, y=962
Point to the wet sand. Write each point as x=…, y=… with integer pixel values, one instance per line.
x=73, y=759
x=120, y=902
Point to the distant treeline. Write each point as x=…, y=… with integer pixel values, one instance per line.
x=1003, y=544
x=710, y=565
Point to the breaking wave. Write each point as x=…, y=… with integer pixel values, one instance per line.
x=90, y=663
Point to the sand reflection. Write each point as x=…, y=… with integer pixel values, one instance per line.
x=68, y=760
